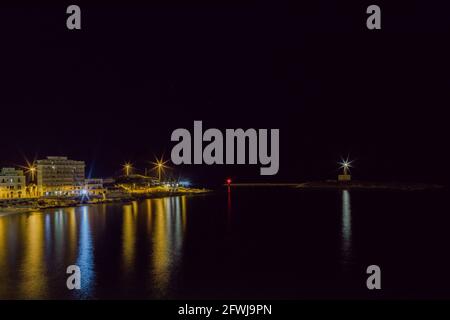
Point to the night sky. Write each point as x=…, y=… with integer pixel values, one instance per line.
x=115, y=90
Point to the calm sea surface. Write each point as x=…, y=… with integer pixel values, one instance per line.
x=247, y=243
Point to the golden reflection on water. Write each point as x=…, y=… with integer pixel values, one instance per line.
x=128, y=237
x=165, y=224
x=183, y=212
x=148, y=205
x=160, y=246
x=3, y=254
x=36, y=248
x=3, y=247
x=167, y=239
x=33, y=268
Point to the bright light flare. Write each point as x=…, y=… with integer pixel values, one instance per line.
x=160, y=165
x=127, y=167
x=345, y=164
x=30, y=169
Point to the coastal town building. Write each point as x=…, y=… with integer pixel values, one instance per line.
x=31, y=190
x=94, y=187
x=136, y=182
x=12, y=183
x=60, y=176
x=344, y=177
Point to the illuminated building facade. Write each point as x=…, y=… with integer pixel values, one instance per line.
x=94, y=187
x=59, y=176
x=344, y=177
x=12, y=183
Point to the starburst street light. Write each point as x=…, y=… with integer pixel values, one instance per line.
x=345, y=165
x=127, y=167
x=30, y=169
x=160, y=165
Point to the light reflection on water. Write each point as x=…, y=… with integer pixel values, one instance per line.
x=346, y=226
x=85, y=258
x=36, y=248
x=33, y=282
x=128, y=238
x=167, y=242
x=286, y=243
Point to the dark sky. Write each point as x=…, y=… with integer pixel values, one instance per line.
x=114, y=91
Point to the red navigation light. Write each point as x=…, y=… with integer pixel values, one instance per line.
x=228, y=181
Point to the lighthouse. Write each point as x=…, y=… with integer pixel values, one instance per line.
x=345, y=165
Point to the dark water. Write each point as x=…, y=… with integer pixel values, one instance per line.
x=251, y=243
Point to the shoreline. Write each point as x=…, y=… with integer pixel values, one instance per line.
x=365, y=185
x=340, y=185
x=59, y=203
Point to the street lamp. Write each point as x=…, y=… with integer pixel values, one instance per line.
x=127, y=167
x=32, y=171
x=160, y=165
x=30, y=168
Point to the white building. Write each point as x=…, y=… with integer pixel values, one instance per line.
x=59, y=176
x=12, y=183
x=94, y=187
